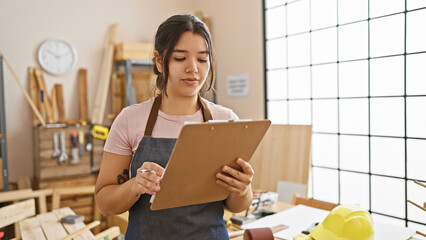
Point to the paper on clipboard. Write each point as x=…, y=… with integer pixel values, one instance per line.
x=200, y=152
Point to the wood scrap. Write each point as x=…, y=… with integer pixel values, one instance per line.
x=82, y=92
x=54, y=104
x=104, y=79
x=33, y=106
x=60, y=102
x=42, y=86
x=34, y=92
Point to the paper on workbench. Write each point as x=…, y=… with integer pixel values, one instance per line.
x=384, y=231
x=297, y=218
x=301, y=217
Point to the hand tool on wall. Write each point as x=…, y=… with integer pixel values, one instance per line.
x=56, y=151
x=63, y=157
x=74, y=150
x=89, y=145
x=81, y=143
x=82, y=92
x=42, y=105
x=33, y=106
x=100, y=132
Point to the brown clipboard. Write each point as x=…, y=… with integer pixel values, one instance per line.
x=200, y=152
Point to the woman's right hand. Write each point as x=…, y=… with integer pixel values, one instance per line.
x=148, y=179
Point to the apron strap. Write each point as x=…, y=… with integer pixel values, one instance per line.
x=156, y=107
x=206, y=112
x=153, y=116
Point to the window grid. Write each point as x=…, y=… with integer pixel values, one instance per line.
x=287, y=99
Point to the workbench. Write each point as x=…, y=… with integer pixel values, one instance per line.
x=48, y=226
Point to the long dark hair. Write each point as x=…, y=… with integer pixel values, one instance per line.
x=167, y=36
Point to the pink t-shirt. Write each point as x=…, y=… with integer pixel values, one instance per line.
x=128, y=128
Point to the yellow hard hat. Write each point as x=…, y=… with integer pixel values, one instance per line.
x=345, y=222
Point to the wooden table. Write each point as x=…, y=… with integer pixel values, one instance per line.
x=48, y=226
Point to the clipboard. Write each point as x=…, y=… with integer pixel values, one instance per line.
x=200, y=152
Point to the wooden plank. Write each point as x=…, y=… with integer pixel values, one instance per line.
x=24, y=183
x=54, y=104
x=51, y=225
x=34, y=92
x=118, y=86
x=70, y=170
x=58, y=193
x=104, y=79
x=15, y=195
x=33, y=106
x=134, y=50
x=16, y=212
x=287, y=148
x=83, y=180
x=60, y=101
x=80, y=231
x=82, y=92
x=42, y=86
x=312, y=203
x=31, y=229
x=62, y=212
x=78, y=201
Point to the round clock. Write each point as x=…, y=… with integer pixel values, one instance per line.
x=57, y=56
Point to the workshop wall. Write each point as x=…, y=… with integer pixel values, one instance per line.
x=24, y=25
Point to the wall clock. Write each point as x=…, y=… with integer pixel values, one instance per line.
x=57, y=56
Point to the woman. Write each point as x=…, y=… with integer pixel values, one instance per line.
x=147, y=131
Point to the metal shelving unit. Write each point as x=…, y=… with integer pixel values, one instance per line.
x=3, y=142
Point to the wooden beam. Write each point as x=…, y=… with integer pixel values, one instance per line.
x=42, y=86
x=33, y=106
x=16, y=212
x=82, y=230
x=82, y=92
x=104, y=79
x=34, y=92
x=31, y=229
x=54, y=104
x=52, y=226
x=60, y=102
x=63, y=212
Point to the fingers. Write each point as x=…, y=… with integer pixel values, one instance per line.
x=245, y=175
x=237, y=181
x=148, y=178
x=246, y=166
x=152, y=166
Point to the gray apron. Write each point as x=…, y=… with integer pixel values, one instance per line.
x=201, y=221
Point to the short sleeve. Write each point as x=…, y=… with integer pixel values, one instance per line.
x=118, y=137
x=234, y=116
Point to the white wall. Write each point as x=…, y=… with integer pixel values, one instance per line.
x=237, y=30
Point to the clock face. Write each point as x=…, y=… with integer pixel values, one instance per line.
x=57, y=56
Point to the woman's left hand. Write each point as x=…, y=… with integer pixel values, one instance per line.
x=238, y=182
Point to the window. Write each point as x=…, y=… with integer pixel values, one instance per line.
x=355, y=70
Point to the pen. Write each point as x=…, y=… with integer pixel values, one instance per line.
x=148, y=170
